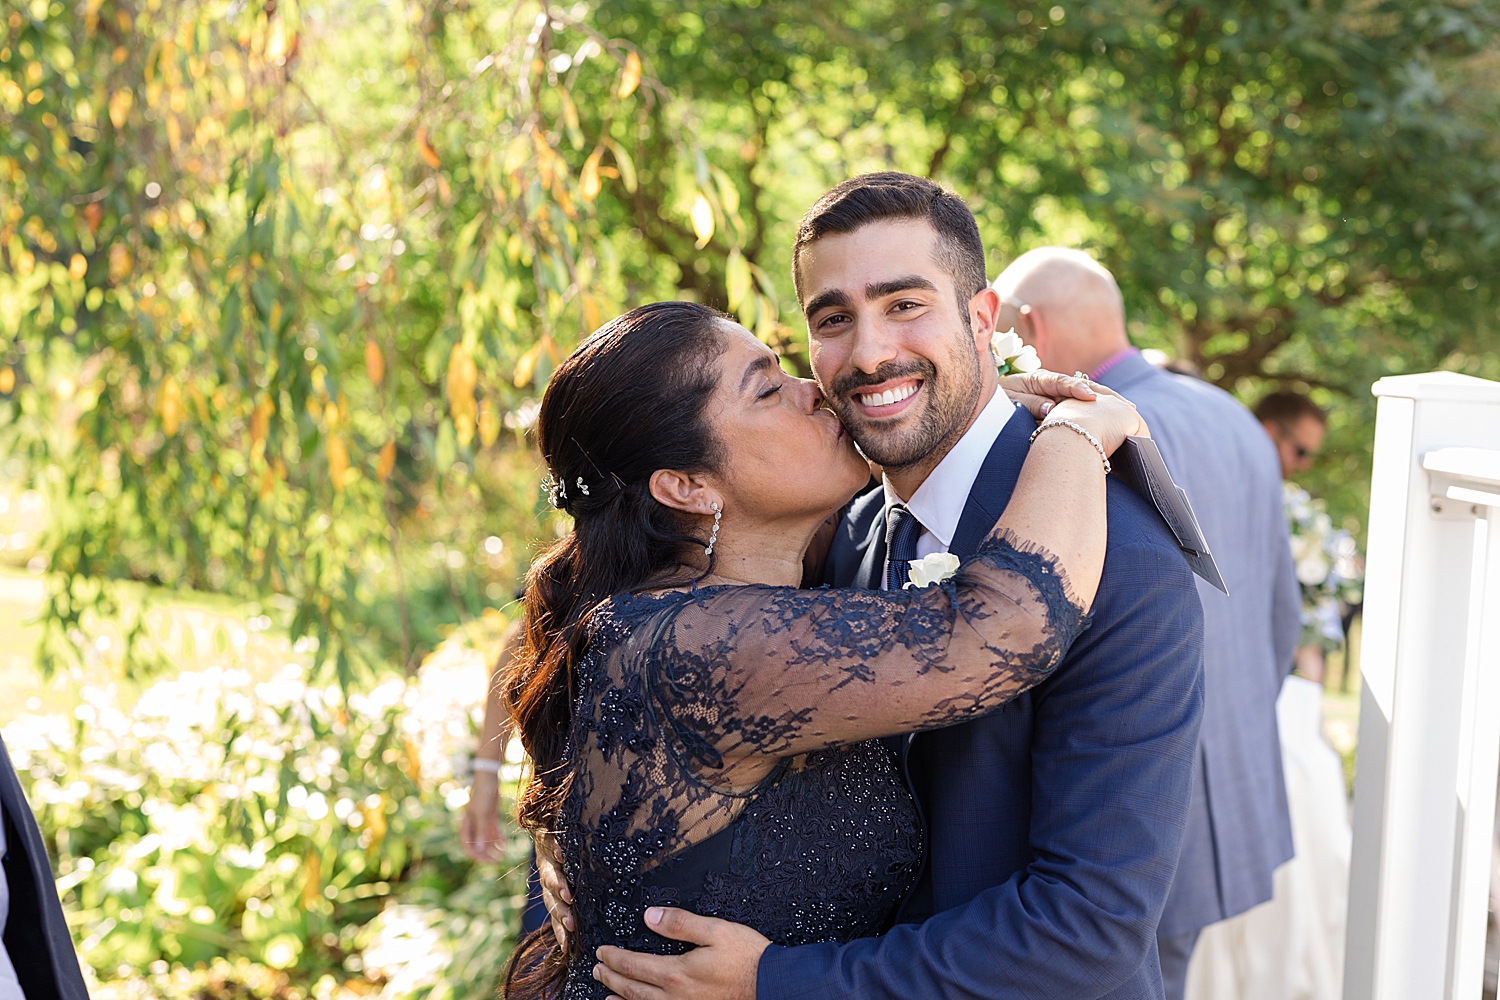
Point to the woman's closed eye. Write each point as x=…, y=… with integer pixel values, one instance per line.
x=769, y=392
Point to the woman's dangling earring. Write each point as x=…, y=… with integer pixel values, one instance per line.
x=714, y=537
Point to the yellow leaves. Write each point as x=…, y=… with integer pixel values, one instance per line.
x=119, y=263
x=78, y=267
x=516, y=154
x=25, y=262
x=702, y=214
x=280, y=42
x=489, y=423
x=7, y=380
x=544, y=157
x=630, y=76
x=426, y=150
x=312, y=886
x=570, y=117
x=331, y=415
x=591, y=312
x=463, y=374
x=737, y=279
x=169, y=406
x=526, y=365
x=338, y=461
x=385, y=463
x=120, y=103
x=260, y=420
x=374, y=814
x=374, y=362
x=589, y=184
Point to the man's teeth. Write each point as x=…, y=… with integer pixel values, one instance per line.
x=888, y=397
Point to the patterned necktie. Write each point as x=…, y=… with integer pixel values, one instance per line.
x=901, y=531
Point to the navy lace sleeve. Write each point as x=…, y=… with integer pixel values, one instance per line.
x=697, y=694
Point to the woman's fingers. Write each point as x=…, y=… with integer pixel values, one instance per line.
x=1049, y=385
x=1037, y=406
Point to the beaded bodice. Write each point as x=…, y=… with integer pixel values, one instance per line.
x=686, y=698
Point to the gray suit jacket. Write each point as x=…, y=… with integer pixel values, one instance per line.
x=36, y=934
x=1238, y=829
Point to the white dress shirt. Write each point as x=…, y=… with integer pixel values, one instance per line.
x=10, y=987
x=939, y=502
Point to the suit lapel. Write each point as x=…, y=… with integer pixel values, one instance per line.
x=994, y=484
x=872, y=566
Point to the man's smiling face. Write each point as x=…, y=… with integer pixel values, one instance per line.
x=896, y=350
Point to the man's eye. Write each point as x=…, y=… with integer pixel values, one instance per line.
x=904, y=305
x=833, y=320
x=770, y=392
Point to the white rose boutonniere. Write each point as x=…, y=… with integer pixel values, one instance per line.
x=932, y=569
x=1012, y=356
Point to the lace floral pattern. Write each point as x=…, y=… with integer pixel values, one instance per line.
x=686, y=699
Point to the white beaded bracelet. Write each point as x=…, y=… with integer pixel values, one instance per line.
x=485, y=764
x=1079, y=429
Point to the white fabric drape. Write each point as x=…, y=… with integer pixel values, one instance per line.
x=1292, y=947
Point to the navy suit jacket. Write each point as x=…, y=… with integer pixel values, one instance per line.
x=36, y=933
x=1238, y=829
x=1054, y=824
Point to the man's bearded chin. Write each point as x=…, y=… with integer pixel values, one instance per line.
x=892, y=447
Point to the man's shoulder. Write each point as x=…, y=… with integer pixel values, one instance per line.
x=1135, y=524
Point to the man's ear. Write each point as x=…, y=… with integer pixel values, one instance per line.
x=682, y=491
x=984, y=311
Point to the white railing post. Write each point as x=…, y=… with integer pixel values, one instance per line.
x=1429, y=733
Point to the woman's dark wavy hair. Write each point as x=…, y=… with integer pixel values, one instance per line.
x=629, y=401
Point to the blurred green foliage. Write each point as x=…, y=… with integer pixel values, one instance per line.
x=281, y=281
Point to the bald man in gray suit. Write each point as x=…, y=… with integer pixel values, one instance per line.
x=1069, y=308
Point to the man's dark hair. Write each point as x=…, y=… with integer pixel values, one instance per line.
x=1287, y=408
x=859, y=201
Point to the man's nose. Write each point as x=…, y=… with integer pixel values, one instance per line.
x=873, y=346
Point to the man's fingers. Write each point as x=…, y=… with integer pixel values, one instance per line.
x=684, y=925
x=625, y=987
x=638, y=967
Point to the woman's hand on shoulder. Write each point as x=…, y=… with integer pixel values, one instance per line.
x=1041, y=390
x=1110, y=418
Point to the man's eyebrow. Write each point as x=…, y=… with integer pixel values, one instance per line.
x=832, y=297
x=760, y=364
x=881, y=289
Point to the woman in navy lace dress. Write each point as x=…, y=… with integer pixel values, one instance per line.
x=704, y=733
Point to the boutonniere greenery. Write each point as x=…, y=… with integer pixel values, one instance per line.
x=932, y=569
x=1012, y=356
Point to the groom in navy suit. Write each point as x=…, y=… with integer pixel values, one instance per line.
x=1054, y=825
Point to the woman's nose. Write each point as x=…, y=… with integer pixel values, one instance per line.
x=812, y=396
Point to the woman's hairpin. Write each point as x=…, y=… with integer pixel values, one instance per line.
x=557, y=493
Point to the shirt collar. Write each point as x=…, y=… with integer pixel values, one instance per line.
x=1114, y=359
x=939, y=502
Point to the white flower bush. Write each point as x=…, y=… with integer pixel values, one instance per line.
x=225, y=819
x=1328, y=568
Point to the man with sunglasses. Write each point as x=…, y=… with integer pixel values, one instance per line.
x=1296, y=425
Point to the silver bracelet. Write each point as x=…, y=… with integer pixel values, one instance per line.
x=1078, y=429
x=484, y=764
